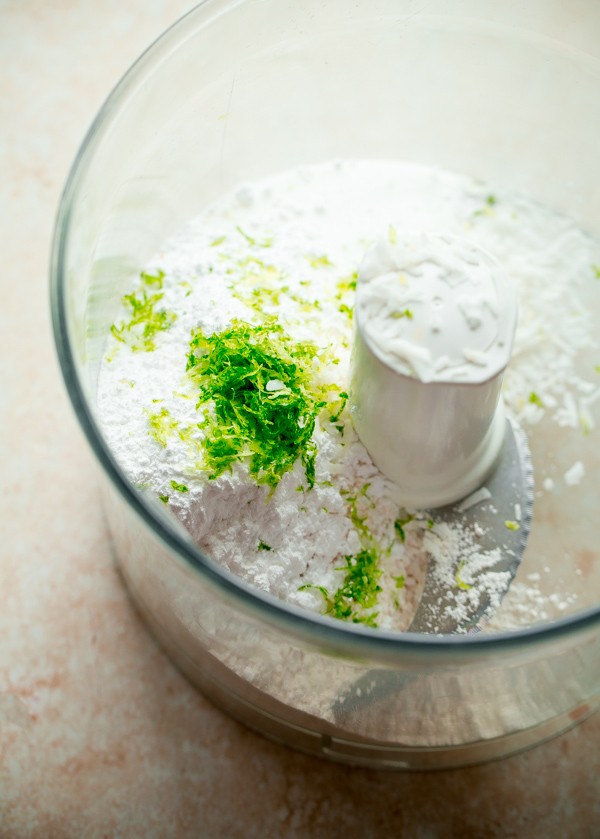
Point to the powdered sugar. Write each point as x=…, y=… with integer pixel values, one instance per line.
x=289, y=247
x=574, y=475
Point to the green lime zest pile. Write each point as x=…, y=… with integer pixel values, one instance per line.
x=357, y=593
x=263, y=403
x=147, y=320
x=356, y=598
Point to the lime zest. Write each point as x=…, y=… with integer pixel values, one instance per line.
x=243, y=423
x=405, y=313
x=512, y=525
x=265, y=243
x=311, y=587
x=146, y=319
x=153, y=280
x=262, y=546
x=164, y=499
x=355, y=600
x=400, y=524
x=162, y=425
x=585, y=424
x=489, y=202
x=358, y=591
x=461, y=584
x=339, y=407
x=179, y=487
x=320, y=261
x=347, y=284
x=534, y=399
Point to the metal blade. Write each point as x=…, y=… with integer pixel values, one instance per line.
x=510, y=485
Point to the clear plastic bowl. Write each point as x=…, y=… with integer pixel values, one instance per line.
x=236, y=91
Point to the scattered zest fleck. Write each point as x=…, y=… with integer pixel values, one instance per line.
x=146, y=319
x=262, y=546
x=162, y=425
x=461, y=584
x=405, y=313
x=179, y=487
x=164, y=499
x=265, y=243
x=512, y=525
x=534, y=399
x=346, y=284
x=399, y=526
x=320, y=261
x=339, y=407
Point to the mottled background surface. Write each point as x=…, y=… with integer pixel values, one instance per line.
x=99, y=735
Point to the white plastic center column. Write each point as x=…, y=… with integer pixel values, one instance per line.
x=435, y=317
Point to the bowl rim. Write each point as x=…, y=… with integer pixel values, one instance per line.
x=349, y=638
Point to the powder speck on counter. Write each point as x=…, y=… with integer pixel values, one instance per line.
x=280, y=256
x=574, y=475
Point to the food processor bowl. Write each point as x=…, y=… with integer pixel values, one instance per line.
x=235, y=91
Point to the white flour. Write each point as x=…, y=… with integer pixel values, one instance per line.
x=289, y=247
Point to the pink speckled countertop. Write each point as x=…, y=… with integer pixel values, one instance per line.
x=99, y=735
